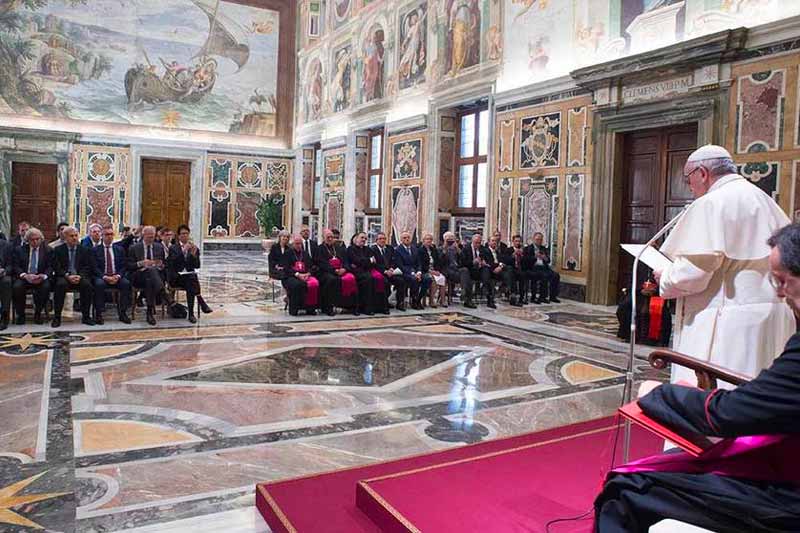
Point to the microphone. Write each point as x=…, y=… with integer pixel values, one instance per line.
x=628, y=391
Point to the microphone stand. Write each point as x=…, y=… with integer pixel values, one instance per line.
x=628, y=393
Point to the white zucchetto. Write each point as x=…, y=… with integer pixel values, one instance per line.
x=709, y=151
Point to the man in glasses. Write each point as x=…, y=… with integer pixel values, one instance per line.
x=727, y=311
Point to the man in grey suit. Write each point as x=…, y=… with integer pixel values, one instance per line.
x=146, y=263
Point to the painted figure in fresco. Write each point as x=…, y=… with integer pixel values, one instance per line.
x=341, y=80
x=341, y=7
x=412, y=48
x=464, y=34
x=374, y=52
x=314, y=96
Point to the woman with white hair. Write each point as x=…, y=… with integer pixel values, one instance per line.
x=277, y=254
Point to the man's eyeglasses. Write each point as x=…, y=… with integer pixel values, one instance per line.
x=687, y=176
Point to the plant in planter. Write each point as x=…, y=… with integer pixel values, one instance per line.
x=270, y=214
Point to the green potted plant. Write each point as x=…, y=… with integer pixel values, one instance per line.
x=270, y=217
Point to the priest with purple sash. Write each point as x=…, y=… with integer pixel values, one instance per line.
x=338, y=285
x=301, y=286
x=361, y=263
x=750, y=480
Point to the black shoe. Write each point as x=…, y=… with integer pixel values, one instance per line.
x=311, y=312
x=20, y=321
x=330, y=312
x=123, y=317
x=491, y=304
x=151, y=319
x=385, y=311
x=356, y=313
x=37, y=318
x=99, y=320
x=369, y=313
x=400, y=307
x=87, y=320
x=468, y=304
x=545, y=301
x=56, y=322
x=193, y=319
x=204, y=307
x=3, y=324
x=140, y=302
x=555, y=300
x=523, y=302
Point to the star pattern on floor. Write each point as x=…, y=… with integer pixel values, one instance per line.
x=27, y=343
x=10, y=498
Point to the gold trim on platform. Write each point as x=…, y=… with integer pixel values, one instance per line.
x=390, y=508
x=276, y=509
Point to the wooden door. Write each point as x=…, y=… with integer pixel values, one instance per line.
x=654, y=188
x=165, y=192
x=34, y=196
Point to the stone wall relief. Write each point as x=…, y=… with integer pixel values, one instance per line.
x=540, y=141
x=760, y=111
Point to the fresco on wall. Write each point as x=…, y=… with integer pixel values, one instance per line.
x=372, y=77
x=341, y=77
x=313, y=94
x=547, y=39
x=194, y=64
x=407, y=156
x=463, y=34
x=412, y=49
x=340, y=12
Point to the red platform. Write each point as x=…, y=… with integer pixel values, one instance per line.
x=505, y=485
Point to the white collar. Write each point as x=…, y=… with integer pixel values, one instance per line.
x=724, y=180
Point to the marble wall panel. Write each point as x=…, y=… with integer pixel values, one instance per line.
x=362, y=189
x=334, y=171
x=540, y=141
x=466, y=227
x=760, y=114
x=505, y=143
x=99, y=180
x=333, y=209
x=504, y=206
x=572, y=258
x=405, y=212
x=234, y=187
x=407, y=159
x=446, y=172
x=577, y=121
x=766, y=176
x=538, y=210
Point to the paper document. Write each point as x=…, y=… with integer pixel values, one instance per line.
x=185, y=272
x=651, y=257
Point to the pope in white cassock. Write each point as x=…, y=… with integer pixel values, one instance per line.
x=727, y=312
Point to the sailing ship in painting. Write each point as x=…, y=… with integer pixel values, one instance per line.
x=226, y=38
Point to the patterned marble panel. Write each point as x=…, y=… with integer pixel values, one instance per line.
x=219, y=171
x=308, y=185
x=540, y=141
x=466, y=227
x=539, y=210
x=764, y=175
x=572, y=258
x=245, y=220
x=505, y=143
x=504, y=206
x=362, y=191
x=407, y=159
x=100, y=205
x=334, y=171
x=219, y=201
x=577, y=128
x=277, y=175
x=101, y=166
x=760, y=111
x=446, y=175
x=249, y=174
x=405, y=212
x=332, y=213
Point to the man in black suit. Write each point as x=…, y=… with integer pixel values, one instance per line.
x=6, y=282
x=74, y=267
x=517, y=260
x=32, y=270
x=182, y=261
x=146, y=263
x=502, y=268
x=110, y=273
x=407, y=260
x=329, y=253
x=542, y=276
x=309, y=245
x=385, y=263
x=19, y=238
x=475, y=261
x=502, y=246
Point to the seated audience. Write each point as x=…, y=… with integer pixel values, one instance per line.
x=475, y=261
x=518, y=262
x=73, y=270
x=182, y=261
x=385, y=263
x=276, y=253
x=544, y=280
x=33, y=269
x=59, y=238
x=749, y=481
x=449, y=254
x=94, y=237
x=146, y=263
x=407, y=260
x=22, y=230
x=360, y=260
x=309, y=245
x=6, y=281
x=337, y=285
x=503, y=247
x=302, y=288
x=433, y=282
x=110, y=272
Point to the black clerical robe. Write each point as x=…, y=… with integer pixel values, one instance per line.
x=767, y=405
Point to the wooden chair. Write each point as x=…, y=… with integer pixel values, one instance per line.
x=707, y=377
x=29, y=292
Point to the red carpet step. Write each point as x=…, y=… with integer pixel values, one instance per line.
x=506, y=485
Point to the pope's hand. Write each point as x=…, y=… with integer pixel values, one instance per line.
x=657, y=276
x=647, y=387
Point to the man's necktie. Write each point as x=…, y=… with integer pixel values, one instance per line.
x=149, y=253
x=109, y=262
x=33, y=263
x=308, y=247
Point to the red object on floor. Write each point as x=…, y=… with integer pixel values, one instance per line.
x=505, y=485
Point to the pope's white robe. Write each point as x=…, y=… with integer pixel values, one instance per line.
x=727, y=311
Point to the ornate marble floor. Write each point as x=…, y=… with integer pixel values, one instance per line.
x=169, y=428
